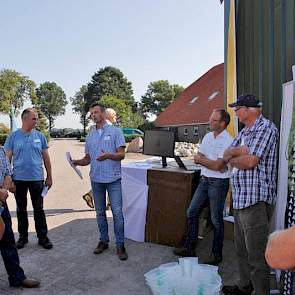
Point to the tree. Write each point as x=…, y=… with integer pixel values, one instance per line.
x=14, y=90
x=80, y=106
x=126, y=118
x=158, y=96
x=109, y=81
x=52, y=101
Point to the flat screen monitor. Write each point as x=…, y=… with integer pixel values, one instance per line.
x=159, y=143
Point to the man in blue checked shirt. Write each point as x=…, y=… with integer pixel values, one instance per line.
x=104, y=150
x=253, y=156
x=8, y=249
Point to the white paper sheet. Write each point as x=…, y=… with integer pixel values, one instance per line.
x=69, y=159
x=135, y=199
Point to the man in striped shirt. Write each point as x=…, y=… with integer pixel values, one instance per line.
x=253, y=156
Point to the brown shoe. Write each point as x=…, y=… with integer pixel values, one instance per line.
x=122, y=254
x=102, y=246
x=88, y=198
x=30, y=283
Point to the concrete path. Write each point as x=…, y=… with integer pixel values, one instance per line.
x=71, y=267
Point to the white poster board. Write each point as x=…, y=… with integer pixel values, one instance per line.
x=286, y=119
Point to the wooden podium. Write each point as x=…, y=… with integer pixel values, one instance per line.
x=170, y=192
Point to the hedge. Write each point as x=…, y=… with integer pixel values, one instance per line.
x=3, y=138
x=129, y=138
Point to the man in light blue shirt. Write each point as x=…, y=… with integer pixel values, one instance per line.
x=27, y=148
x=104, y=150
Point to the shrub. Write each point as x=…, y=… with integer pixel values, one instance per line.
x=47, y=135
x=128, y=138
x=4, y=129
x=3, y=138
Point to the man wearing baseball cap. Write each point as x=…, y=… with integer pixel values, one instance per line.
x=253, y=156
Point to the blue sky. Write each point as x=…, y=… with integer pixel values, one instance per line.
x=67, y=41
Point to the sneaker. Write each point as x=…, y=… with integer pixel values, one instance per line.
x=236, y=290
x=45, y=243
x=184, y=252
x=122, y=254
x=101, y=246
x=21, y=242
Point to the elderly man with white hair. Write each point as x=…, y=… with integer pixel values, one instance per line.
x=253, y=154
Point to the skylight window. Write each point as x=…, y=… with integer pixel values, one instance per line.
x=213, y=95
x=193, y=100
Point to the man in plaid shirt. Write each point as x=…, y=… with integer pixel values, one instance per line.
x=253, y=156
x=8, y=249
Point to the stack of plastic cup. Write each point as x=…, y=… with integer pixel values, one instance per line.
x=187, y=277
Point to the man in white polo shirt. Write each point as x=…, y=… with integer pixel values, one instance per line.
x=213, y=187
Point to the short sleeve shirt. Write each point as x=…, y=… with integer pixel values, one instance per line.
x=107, y=139
x=213, y=148
x=257, y=184
x=27, y=154
x=5, y=169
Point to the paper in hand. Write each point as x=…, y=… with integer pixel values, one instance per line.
x=44, y=191
x=69, y=159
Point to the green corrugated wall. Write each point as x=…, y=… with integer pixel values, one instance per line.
x=265, y=36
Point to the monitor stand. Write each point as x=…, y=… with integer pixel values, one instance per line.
x=164, y=162
x=180, y=163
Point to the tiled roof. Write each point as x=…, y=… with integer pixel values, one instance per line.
x=196, y=103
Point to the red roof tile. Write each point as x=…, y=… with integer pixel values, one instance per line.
x=184, y=110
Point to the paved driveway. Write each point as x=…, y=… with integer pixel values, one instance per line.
x=70, y=267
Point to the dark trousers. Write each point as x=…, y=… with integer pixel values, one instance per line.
x=213, y=190
x=35, y=188
x=9, y=252
x=251, y=233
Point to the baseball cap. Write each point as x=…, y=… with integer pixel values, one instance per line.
x=247, y=100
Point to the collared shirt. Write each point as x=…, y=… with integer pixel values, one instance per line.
x=5, y=169
x=257, y=184
x=213, y=148
x=27, y=154
x=107, y=139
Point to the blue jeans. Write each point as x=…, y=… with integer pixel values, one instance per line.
x=9, y=252
x=115, y=195
x=213, y=190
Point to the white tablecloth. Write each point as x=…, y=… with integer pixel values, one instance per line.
x=135, y=198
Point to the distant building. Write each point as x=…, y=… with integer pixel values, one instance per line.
x=189, y=113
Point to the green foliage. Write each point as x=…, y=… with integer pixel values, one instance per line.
x=80, y=106
x=158, y=96
x=3, y=137
x=146, y=125
x=52, y=101
x=4, y=129
x=126, y=118
x=109, y=81
x=129, y=138
x=42, y=125
x=14, y=90
x=46, y=134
